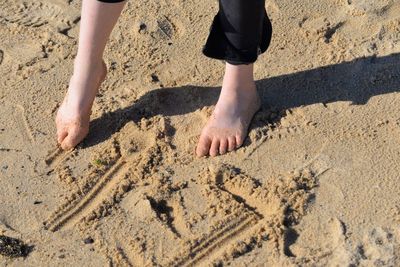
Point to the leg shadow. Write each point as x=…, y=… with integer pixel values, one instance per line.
x=356, y=81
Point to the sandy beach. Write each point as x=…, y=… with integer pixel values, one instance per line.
x=316, y=183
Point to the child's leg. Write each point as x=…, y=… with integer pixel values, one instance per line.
x=240, y=32
x=97, y=21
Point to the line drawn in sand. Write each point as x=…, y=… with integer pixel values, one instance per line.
x=210, y=245
x=255, y=210
x=22, y=123
x=261, y=207
x=130, y=253
x=123, y=257
x=123, y=254
x=256, y=213
x=55, y=158
x=235, y=228
x=84, y=204
x=81, y=207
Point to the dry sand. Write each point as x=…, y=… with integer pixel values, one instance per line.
x=316, y=183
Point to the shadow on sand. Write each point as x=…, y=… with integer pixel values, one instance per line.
x=356, y=81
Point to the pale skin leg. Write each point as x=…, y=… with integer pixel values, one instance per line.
x=236, y=106
x=225, y=130
x=97, y=21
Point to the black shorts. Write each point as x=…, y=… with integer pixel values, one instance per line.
x=239, y=33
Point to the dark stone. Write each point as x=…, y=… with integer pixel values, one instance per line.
x=12, y=247
x=142, y=27
x=154, y=78
x=88, y=240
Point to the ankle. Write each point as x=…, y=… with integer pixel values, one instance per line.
x=239, y=76
x=239, y=89
x=240, y=96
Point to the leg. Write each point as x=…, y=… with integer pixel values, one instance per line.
x=240, y=32
x=98, y=20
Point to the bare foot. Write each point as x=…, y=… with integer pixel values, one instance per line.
x=229, y=122
x=73, y=116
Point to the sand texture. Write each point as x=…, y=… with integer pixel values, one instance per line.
x=316, y=183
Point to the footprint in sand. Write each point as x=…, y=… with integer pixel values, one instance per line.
x=329, y=238
x=38, y=13
x=379, y=247
x=169, y=28
x=363, y=7
x=321, y=28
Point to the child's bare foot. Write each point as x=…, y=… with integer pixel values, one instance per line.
x=73, y=116
x=237, y=104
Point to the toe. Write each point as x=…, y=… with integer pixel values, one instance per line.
x=203, y=146
x=214, y=150
x=61, y=135
x=239, y=140
x=67, y=143
x=223, y=146
x=72, y=139
x=231, y=143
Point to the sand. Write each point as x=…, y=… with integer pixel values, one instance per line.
x=317, y=182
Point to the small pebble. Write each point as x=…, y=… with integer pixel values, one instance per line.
x=142, y=28
x=88, y=240
x=154, y=78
